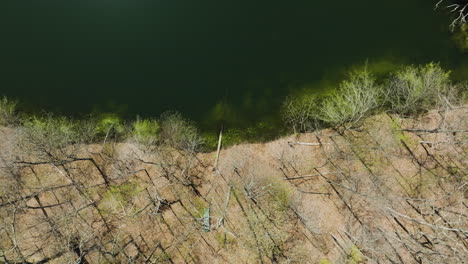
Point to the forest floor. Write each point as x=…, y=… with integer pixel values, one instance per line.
x=393, y=190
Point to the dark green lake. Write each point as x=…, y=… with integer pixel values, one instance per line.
x=144, y=57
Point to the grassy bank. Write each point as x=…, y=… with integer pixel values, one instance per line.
x=410, y=91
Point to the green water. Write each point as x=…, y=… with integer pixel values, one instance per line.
x=211, y=60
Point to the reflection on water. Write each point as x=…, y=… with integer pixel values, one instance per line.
x=209, y=59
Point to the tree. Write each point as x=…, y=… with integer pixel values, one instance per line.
x=459, y=10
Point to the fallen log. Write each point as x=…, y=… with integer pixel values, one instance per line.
x=291, y=143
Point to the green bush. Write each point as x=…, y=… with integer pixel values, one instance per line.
x=86, y=130
x=353, y=100
x=109, y=125
x=224, y=239
x=49, y=136
x=301, y=113
x=146, y=131
x=7, y=111
x=411, y=90
x=259, y=132
x=461, y=92
x=59, y=131
x=416, y=89
x=210, y=141
x=281, y=194
x=118, y=197
x=179, y=132
x=355, y=256
x=460, y=37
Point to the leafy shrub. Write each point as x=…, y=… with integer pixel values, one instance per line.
x=354, y=99
x=146, y=131
x=355, y=256
x=301, y=112
x=234, y=136
x=416, y=89
x=281, y=195
x=118, y=197
x=179, y=132
x=345, y=107
x=224, y=239
x=412, y=90
x=456, y=94
x=109, y=125
x=461, y=37
x=210, y=141
x=7, y=111
x=86, y=130
x=259, y=132
x=271, y=191
x=49, y=137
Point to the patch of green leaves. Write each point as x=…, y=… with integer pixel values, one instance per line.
x=7, y=111
x=146, y=131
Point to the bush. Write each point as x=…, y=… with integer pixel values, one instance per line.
x=301, y=113
x=461, y=94
x=86, y=130
x=49, y=137
x=7, y=111
x=146, y=131
x=109, y=125
x=410, y=91
x=345, y=107
x=179, y=132
x=118, y=197
x=414, y=90
x=354, y=99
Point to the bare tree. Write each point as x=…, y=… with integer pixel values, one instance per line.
x=458, y=8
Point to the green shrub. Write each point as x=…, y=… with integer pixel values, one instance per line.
x=460, y=37
x=458, y=93
x=301, y=113
x=210, y=142
x=7, y=111
x=118, y=197
x=353, y=100
x=259, y=132
x=230, y=137
x=281, y=195
x=86, y=130
x=179, y=132
x=109, y=125
x=58, y=131
x=49, y=136
x=411, y=90
x=124, y=192
x=146, y=131
x=224, y=239
x=416, y=89
x=355, y=256
x=234, y=136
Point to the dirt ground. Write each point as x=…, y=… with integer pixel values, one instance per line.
x=392, y=191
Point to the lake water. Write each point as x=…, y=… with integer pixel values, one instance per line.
x=208, y=59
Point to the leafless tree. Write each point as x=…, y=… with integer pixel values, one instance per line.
x=458, y=8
